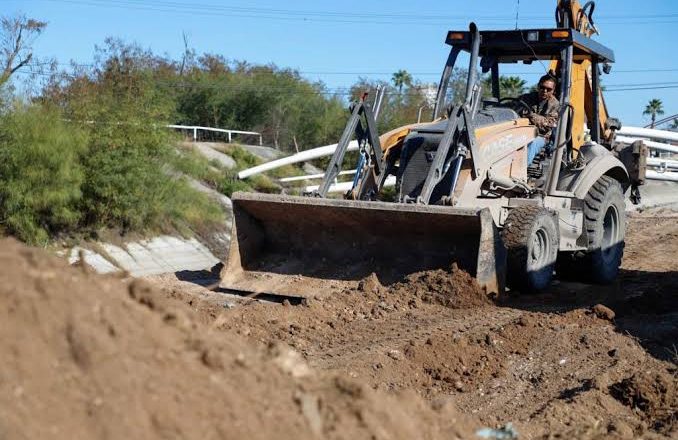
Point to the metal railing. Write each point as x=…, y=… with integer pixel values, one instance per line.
x=229, y=133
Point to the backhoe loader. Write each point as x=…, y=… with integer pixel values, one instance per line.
x=465, y=193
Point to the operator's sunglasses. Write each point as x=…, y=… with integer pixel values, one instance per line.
x=546, y=89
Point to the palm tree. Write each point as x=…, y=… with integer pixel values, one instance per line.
x=401, y=78
x=654, y=108
x=674, y=124
x=511, y=86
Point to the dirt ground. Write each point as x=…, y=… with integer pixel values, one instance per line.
x=577, y=361
x=88, y=356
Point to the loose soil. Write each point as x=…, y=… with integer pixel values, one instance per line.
x=87, y=356
x=576, y=361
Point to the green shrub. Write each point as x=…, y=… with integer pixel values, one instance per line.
x=125, y=185
x=262, y=183
x=286, y=171
x=40, y=173
x=130, y=183
x=127, y=181
x=187, y=209
x=191, y=163
x=243, y=158
x=230, y=184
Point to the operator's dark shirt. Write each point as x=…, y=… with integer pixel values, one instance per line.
x=544, y=113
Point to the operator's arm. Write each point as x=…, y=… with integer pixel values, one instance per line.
x=547, y=121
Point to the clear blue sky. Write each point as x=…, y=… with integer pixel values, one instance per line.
x=338, y=41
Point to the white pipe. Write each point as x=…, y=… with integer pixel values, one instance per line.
x=662, y=163
x=666, y=176
x=649, y=133
x=346, y=186
x=312, y=176
x=651, y=144
x=302, y=156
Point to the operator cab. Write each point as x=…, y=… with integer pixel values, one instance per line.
x=561, y=47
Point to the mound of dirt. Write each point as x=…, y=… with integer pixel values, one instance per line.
x=655, y=395
x=86, y=356
x=454, y=288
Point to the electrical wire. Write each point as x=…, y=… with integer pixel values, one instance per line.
x=346, y=91
x=384, y=72
x=324, y=16
x=305, y=13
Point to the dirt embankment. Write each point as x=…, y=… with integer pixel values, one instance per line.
x=551, y=364
x=86, y=356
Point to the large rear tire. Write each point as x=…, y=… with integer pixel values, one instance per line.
x=605, y=223
x=531, y=238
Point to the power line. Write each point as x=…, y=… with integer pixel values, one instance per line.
x=384, y=72
x=660, y=83
x=629, y=89
x=346, y=91
x=334, y=17
x=407, y=15
x=438, y=73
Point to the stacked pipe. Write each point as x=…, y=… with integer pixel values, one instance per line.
x=659, y=168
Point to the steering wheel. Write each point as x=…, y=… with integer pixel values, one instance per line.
x=517, y=102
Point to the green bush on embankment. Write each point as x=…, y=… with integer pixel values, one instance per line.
x=41, y=176
x=60, y=178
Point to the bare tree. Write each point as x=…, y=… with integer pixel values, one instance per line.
x=17, y=35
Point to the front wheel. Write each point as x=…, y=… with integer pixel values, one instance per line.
x=531, y=238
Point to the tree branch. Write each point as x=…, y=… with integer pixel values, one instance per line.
x=21, y=64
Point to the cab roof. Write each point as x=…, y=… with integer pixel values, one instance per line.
x=531, y=44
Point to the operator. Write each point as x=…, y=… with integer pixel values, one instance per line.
x=544, y=108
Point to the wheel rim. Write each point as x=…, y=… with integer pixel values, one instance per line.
x=611, y=232
x=540, y=250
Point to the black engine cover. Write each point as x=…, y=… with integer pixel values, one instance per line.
x=419, y=149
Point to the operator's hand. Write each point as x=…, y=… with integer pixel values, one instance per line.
x=536, y=118
x=522, y=111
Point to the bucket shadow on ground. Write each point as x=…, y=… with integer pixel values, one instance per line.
x=204, y=277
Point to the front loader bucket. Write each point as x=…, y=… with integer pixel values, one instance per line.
x=303, y=246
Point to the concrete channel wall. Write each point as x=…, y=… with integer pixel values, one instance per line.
x=159, y=255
